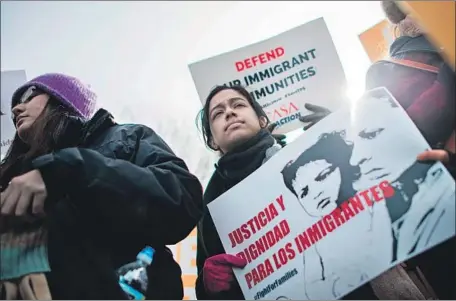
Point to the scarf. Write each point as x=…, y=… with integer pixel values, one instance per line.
x=236, y=165
x=231, y=169
x=23, y=245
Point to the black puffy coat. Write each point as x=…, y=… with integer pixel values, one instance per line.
x=121, y=189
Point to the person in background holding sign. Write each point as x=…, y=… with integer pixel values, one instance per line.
x=235, y=125
x=424, y=85
x=81, y=195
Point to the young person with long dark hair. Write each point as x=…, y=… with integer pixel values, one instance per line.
x=236, y=126
x=82, y=195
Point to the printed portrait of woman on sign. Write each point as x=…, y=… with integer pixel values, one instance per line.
x=322, y=179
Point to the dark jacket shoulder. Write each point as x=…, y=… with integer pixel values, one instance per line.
x=120, y=189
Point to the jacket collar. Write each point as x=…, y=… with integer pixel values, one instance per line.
x=101, y=121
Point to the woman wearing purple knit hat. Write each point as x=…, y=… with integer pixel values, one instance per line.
x=81, y=195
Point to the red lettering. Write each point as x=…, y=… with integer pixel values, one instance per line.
x=279, y=51
x=242, y=255
x=249, y=279
x=253, y=251
x=303, y=242
x=387, y=189
x=271, y=238
x=280, y=202
x=259, y=273
x=283, y=111
x=322, y=227
x=337, y=217
x=314, y=233
x=290, y=251
x=235, y=237
x=375, y=194
x=328, y=222
x=284, y=227
x=356, y=204
x=247, y=64
x=245, y=231
x=262, y=218
x=261, y=58
x=272, y=212
x=280, y=258
x=348, y=213
x=240, y=66
x=365, y=195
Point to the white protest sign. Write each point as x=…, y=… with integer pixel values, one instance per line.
x=282, y=73
x=322, y=223
x=11, y=80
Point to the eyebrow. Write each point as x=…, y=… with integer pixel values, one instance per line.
x=231, y=100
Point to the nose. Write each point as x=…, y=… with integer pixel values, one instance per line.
x=229, y=112
x=321, y=192
x=18, y=109
x=357, y=157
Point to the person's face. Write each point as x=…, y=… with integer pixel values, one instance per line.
x=25, y=113
x=377, y=150
x=317, y=186
x=232, y=120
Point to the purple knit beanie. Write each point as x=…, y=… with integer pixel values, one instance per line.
x=67, y=89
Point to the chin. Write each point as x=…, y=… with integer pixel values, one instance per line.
x=241, y=135
x=22, y=133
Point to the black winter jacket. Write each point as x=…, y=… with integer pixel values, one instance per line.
x=121, y=189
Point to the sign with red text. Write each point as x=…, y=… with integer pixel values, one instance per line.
x=282, y=73
x=11, y=80
x=338, y=206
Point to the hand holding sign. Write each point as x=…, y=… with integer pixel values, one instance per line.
x=318, y=114
x=218, y=272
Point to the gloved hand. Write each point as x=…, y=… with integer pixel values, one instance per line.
x=218, y=273
x=280, y=138
x=318, y=114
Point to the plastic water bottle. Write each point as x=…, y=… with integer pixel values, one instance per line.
x=133, y=276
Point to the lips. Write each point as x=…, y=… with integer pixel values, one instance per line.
x=323, y=203
x=19, y=121
x=231, y=124
x=376, y=173
x=373, y=170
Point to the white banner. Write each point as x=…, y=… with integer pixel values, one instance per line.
x=281, y=73
x=338, y=206
x=11, y=80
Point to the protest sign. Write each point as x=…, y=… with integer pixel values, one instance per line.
x=377, y=40
x=11, y=80
x=282, y=73
x=338, y=206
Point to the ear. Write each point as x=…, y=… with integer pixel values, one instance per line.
x=263, y=122
x=213, y=145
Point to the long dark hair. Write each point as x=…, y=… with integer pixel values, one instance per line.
x=47, y=131
x=333, y=148
x=202, y=119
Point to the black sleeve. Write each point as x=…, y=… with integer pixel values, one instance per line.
x=151, y=196
x=201, y=257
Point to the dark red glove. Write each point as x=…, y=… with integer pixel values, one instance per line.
x=218, y=272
